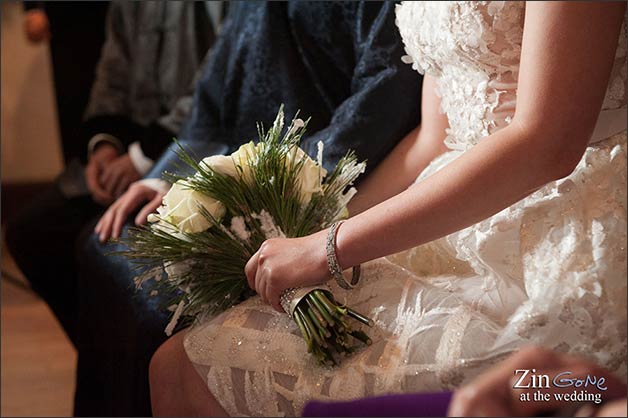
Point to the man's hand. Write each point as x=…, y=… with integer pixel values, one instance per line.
x=117, y=175
x=110, y=225
x=102, y=156
x=36, y=26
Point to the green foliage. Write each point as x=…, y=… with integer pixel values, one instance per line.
x=210, y=277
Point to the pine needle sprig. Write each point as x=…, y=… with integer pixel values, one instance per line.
x=205, y=270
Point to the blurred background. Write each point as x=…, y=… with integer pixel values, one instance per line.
x=71, y=144
x=29, y=115
x=37, y=358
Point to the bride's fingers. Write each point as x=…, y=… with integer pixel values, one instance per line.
x=274, y=300
x=258, y=289
x=261, y=284
x=272, y=295
x=149, y=208
x=264, y=290
x=251, y=270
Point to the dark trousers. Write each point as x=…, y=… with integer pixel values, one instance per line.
x=119, y=330
x=114, y=328
x=42, y=240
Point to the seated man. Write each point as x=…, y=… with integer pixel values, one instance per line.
x=139, y=98
x=339, y=63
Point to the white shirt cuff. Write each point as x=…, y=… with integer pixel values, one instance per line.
x=158, y=185
x=141, y=162
x=98, y=138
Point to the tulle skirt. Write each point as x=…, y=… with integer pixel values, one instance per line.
x=549, y=270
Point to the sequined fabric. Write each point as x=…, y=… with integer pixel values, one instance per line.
x=550, y=269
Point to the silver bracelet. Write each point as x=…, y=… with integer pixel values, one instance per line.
x=332, y=260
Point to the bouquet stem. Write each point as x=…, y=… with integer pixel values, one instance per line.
x=323, y=322
x=213, y=221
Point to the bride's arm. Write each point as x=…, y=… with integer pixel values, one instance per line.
x=567, y=54
x=409, y=158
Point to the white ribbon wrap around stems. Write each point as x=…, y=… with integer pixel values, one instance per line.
x=290, y=298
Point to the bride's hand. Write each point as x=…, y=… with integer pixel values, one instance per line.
x=282, y=263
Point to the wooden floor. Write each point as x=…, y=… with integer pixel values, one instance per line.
x=38, y=361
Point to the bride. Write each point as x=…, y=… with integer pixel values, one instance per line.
x=514, y=232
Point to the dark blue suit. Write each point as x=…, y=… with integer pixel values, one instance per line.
x=339, y=63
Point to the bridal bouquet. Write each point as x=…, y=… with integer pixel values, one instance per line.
x=212, y=222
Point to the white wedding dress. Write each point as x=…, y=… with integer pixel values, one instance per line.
x=549, y=270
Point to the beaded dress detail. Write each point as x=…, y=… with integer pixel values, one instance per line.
x=549, y=270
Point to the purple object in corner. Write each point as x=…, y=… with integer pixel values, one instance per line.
x=402, y=405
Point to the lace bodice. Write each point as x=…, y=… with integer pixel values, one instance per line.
x=473, y=48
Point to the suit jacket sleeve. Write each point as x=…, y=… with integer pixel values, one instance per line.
x=108, y=103
x=157, y=136
x=384, y=104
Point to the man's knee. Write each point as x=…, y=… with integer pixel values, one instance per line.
x=87, y=246
x=42, y=228
x=22, y=239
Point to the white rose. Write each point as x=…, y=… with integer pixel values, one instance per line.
x=222, y=164
x=246, y=152
x=245, y=157
x=310, y=175
x=228, y=165
x=181, y=207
